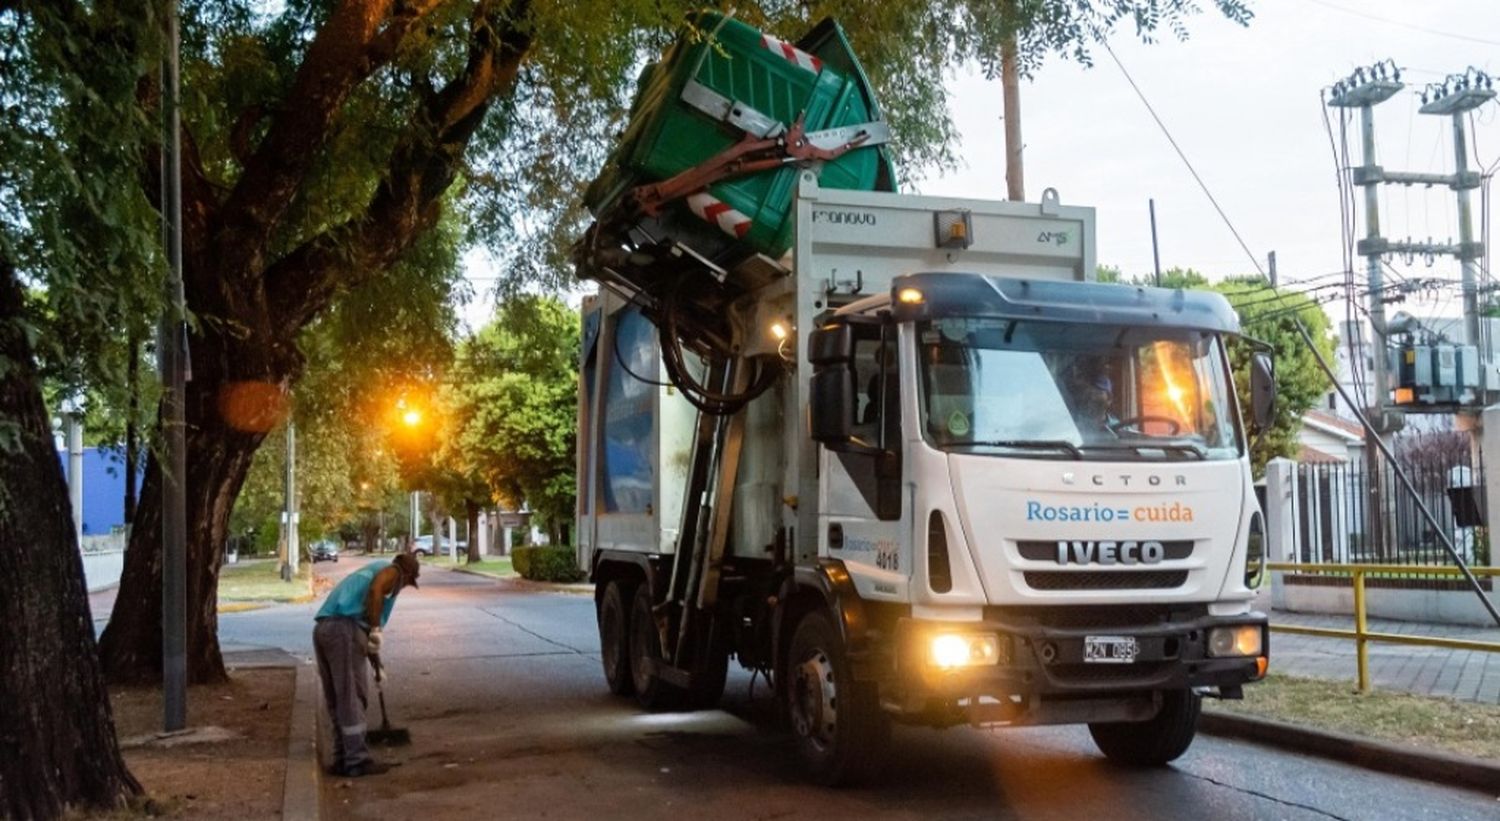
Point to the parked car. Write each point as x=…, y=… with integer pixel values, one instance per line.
x=324, y=550
x=423, y=546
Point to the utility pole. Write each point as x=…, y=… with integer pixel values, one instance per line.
x=1271, y=269
x=416, y=517
x=1010, y=87
x=72, y=417
x=291, y=515
x=172, y=362
x=1458, y=95
x=1364, y=94
x=1155, y=251
x=131, y=458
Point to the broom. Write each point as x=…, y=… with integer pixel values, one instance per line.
x=387, y=735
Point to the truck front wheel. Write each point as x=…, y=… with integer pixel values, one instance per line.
x=614, y=639
x=1154, y=742
x=840, y=731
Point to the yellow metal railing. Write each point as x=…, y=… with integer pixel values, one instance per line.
x=1361, y=633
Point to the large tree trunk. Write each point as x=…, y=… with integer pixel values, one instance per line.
x=219, y=454
x=471, y=516
x=57, y=736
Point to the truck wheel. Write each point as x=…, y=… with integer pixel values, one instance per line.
x=645, y=649
x=614, y=640
x=708, y=682
x=1154, y=742
x=840, y=731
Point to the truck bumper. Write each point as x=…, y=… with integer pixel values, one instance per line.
x=1041, y=675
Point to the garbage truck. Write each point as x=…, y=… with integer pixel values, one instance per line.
x=902, y=456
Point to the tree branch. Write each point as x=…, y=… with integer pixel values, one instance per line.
x=423, y=165
x=338, y=60
x=408, y=15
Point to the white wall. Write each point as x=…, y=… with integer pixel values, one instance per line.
x=103, y=560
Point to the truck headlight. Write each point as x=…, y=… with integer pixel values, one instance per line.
x=1235, y=640
x=953, y=650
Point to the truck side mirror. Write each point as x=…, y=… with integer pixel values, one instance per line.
x=1262, y=389
x=831, y=344
x=833, y=405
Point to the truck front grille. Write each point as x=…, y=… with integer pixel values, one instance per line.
x=1105, y=579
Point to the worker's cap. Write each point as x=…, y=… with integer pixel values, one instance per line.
x=1103, y=383
x=409, y=566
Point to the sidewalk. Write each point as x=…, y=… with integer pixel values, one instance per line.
x=1432, y=671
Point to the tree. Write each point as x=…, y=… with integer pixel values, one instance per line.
x=58, y=748
x=64, y=111
x=515, y=409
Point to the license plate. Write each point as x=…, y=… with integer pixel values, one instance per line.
x=1110, y=649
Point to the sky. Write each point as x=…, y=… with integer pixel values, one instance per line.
x=1243, y=104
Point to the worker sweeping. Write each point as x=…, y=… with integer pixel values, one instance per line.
x=349, y=631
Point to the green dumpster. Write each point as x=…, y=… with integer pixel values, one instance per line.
x=709, y=92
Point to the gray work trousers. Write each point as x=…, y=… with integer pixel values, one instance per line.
x=339, y=644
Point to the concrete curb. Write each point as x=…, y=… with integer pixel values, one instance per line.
x=485, y=573
x=520, y=581
x=1381, y=756
x=299, y=793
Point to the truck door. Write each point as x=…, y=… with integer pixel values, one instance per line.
x=863, y=502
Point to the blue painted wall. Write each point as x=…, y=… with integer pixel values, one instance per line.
x=103, y=488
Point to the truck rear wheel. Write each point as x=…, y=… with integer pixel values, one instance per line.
x=1154, y=742
x=840, y=731
x=645, y=651
x=614, y=639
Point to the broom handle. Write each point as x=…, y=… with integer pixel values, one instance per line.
x=385, y=722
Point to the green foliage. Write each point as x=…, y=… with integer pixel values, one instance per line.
x=514, y=405
x=546, y=564
x=73, y=222
x=1271, y=316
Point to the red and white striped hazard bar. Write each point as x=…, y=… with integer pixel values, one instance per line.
x=712, y=209
x=793, y=54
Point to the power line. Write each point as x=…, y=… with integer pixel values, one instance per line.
x=1403, y=24
x=1168, y=134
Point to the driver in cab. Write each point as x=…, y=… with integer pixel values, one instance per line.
x=1095, y=405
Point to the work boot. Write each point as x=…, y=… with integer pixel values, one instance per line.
x=363, y=769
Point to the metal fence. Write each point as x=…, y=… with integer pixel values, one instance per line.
x=1345, y=515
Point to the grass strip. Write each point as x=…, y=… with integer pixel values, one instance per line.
x=260, y=581
x=1461, y=727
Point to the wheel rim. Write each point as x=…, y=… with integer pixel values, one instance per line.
x=815, y=700
x=609, y=638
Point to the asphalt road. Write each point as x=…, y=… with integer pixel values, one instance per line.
x=501, y=688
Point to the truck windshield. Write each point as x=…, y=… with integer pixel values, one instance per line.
x=1069, y=391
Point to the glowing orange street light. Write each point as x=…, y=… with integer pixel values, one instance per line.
x=412, y=417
